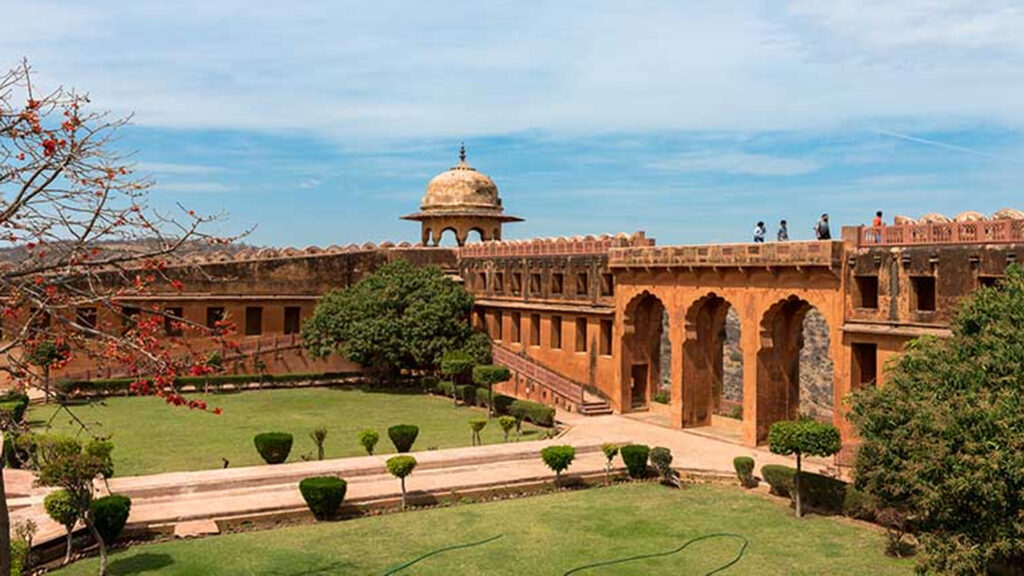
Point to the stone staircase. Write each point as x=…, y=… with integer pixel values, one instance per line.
x=571, y=393
x=594, y=406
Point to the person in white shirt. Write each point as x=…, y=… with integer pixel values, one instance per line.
x=759, y=232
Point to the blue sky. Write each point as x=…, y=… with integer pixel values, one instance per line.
x=321, y=122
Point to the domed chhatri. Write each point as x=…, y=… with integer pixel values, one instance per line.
x=462, y=200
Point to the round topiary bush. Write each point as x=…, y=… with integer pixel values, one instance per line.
x=110, y=514
x=635, y=458
x=273, y=447
x=368, y=438
x=661, y=458
x=744, y=466
x=558, y=458
x=403, y=436
x=323, y=495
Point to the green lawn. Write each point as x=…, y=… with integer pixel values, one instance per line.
x=150, y=436
x=544, y=535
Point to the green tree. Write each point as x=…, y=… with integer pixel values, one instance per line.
x=488, y=375
x=800, y=438
x=458, y=366
x=610, y=450
x=47, y=354
x=558, y=458
x=400, y=467
x=61, y=508
x=943, y=440
x=478, y=346
x=401, y=316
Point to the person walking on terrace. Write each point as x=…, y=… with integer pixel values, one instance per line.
x=821, y=231
x=783, y=234
x=759, y=233
x=878, y=223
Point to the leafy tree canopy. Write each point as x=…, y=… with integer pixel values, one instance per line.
x=402, y=316
x=943, y=439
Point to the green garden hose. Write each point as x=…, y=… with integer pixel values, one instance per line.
x=670, y=552
x=400, y=567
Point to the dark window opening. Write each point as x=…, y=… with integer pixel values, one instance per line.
x=482, y=281
x=866, y=294
x=581, y=334
x=607, y=285
x=606, y=338
x=214, y=316
x=517, y=283
x=481, y=320
x=292, y=319
x=86, y=318
x=499, y=282
x=498, y=325
x=582, y=284
x=129, y=318
x=865, y=364
x=516, y=320
x=556, y=332
x=990, y=281
x=923, y=299
x=253, y=320
x=173, y=318
x=534, y=329
x=556, y=282
x=535, y=284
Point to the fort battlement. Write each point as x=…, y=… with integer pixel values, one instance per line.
x=776, y=254
x=560, y=246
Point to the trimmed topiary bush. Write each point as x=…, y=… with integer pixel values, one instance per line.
x=823, y=492
x=744, y=466
x=109, y=515
x=803, y=437
x=368, y=438
x=403, y=436
x=610, y=451
x=476, y=425
x=661, y=458
x=466, y=393
x=487, y=375
x=273, y=447
x=12, y=411
x=445, y=388
x=61, y=508
x=502, y=403
x=635, y=458
x=400, y=467
x=558, y=458
x=507, y=423
x=780, y=478
x=483, y=398
x=539, y=414
x=323, y=495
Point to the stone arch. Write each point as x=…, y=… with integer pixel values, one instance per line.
x=781, y=339
x=704, y=360
x=426, y=237
x=480, y=235
x=645, y=340
x=439, y=237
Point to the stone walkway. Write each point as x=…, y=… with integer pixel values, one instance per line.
x=173, y=498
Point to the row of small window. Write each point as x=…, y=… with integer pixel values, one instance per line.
x=557, y=286
x=497, y=332
x=922, y=293
x=87, y=316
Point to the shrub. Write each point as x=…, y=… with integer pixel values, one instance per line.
x=662, y=397
x=483, y=398
x=323, y=495
x=445, y=388
x=859, y=505
x=403, y=436
x=661, y=458
x=744, y=466
x=823, y=492
x=558, y=458
x=487, y=375
x=457, y=364
x=502, y=403
x=273, y=447
x=780, y=478
x=476, y=425
x=803, y=437
x=319, y=436
x=539, y=414
x=507, y=423
x=610, y=451
x=368, y=438
x=635, y=458
x=12, y=411
x=100, y=448
x=466, y=393
x=109, y=515
x=20, y=552
x=400, y=467
x=61, y=508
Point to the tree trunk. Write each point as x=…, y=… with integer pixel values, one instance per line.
x=558, y=479
x=490, y=401
x=67, y=552
x=5, y=519
x=799, y=508
x=99, y=540
x=46, y=384
x=403, y=493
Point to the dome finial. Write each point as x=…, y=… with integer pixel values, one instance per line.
x=462, y=151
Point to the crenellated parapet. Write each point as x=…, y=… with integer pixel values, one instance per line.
x=561, y=246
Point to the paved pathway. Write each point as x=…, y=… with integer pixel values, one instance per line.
x=217, y=494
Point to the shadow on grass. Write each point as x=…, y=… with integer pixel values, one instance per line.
x=140, y=563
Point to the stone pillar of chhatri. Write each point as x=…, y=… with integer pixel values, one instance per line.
x=462, y=200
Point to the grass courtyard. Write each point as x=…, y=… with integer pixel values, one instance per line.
x=543, y=535
x=151, y=437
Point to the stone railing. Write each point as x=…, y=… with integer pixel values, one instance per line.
x=524, y=366
x=773, y=254
x=554, y=246
x=976, y=232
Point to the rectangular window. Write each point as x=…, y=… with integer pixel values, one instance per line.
x=865, y=364
x=253, y=320
x=607, y=285
x=129, y=318
x=556, y=282
x=499, y=283
x=292, y=319
x=923, y=293
x=581, y=334
x=534, y=329
x=86, y=318
x=40, y=320
x=516, y=320
x=535, y=284
x=214, y=314
x=606, y=338
x=582, y=284
x=866, y=292
x=556, y=332
x=173, y=317
x=989, y=281
x=517, y=283
x=498, y=328
x=481, y=281
x=481, y=319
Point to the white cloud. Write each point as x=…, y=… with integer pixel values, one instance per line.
x=309, y=183
x=736, y=163
x=172, y=168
